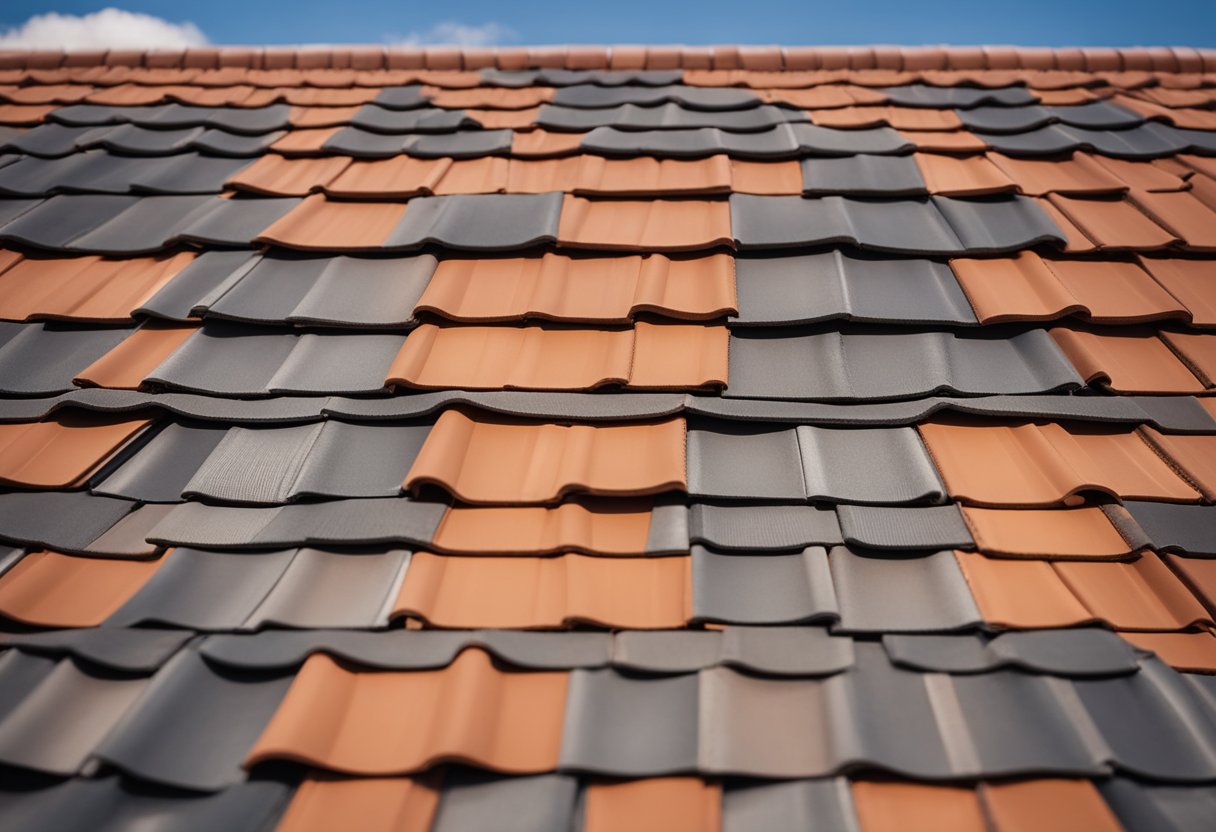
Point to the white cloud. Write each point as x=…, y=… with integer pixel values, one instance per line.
x=451, y=33
x=107, y=29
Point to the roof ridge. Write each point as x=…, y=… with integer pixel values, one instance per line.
x=631, y=57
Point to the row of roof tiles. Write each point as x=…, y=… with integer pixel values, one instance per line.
x=344, y=291
x=855, y=593
x=766, y=58
x=346, y=718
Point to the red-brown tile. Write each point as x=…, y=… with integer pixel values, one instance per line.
x=319, y=224
x=646, y=225
x=48, y=589
x=1128, y=361
x=62, y=452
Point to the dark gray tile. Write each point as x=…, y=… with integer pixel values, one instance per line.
x=134, y=650
x=762, y=589
x=668, y=116
x=42, y=359
x=401, y=98
x=67, y=521
x=763, y=528
x=697, y=98
x=863, y=175
x=923, y=95
x=1186, y=529
x=901, y=594
x=160, y=470
x=893, y=527
x=1068, y=653
x=479, y=222
x=785, y=141
x=420, y=120
x=465, y=144
x=570, y=77
x=778, y=651
x=1149, y=807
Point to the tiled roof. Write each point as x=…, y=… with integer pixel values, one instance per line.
x=632, y=438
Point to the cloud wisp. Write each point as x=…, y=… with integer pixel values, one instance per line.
x=452, y=33
x=107, y=29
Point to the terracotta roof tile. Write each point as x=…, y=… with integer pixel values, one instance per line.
x=1139, y=595
x=593, y=290
x=1128, y=362
x=490, y=98
x=505, y=463
x=504, y=119
x=303, y=141
x=1050, y=533
x=1183, y=651
x=319, y=224
x=622, y=177
x=1080, y=174
x=60, y=453
x=962, y=175
x=23, y=114
x=1199, y=574
x=1192, y=455
x=821, y=97
x=661, y=804
x=83, y=288
x=955, y=141
x=1197, y=351
x=772, y=178
x=1028, y=287
x=47, y=94
x=353, y=722
x=916, y=807
x=1140, y=175
x=1184, y=215
x=47, y=589
x=607, y=527
x=324, y=802
x=654, y=225
x=277, y=176
x=548, y=358
x=1048, y=806
x=1113, y=224
x=529, y=592
x=126, y=366
x=542, y=143
x=1043, y=464
x=403, y=176
x=302, y=118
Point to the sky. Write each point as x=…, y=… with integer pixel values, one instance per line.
x=174, y=23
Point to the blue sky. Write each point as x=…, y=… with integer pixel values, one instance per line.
x=1027, y=22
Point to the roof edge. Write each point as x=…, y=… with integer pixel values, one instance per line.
x=756, y=58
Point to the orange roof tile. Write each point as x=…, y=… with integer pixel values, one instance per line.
x=1181, y=213
x=1193, y=455
x=916, y=807
x=486, y=175
x=61, y=452
x=1129, y=361
x=490, y=98
x=404, y=176
x=311, y=117
x=317, y=224
x=1140, y=595
x=962, y=175
x=1064, y=533
x=1113, y=224
x=504, y=119
x=471, y=712
x=83, y=288
x=606, y=527
x=822, y=97
x=277, y=176
x=47, y=589
x=545, y=358
x=141, y=352
x=1182, y=651
x=1199, y=574
x=591, y=290
x=955, y=141
x=651, y=225
x=1043, y=464
x=1191, y=281
x=324, y=802
x=47, y=94
x=660, y=804
x=1020, y=593
x=530, y=592
x=543, y=143
x=481, y=461
x=1027, y=287
x=766, y=178
x=304, y=141
x=1064, y=97
x=621, y=177
x=1048, y=805
x=23, y=114
x=1080, y=174
x=1197, y=350
x=1141, y=176
x=1076, y=241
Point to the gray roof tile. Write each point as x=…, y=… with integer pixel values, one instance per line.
x=160, y=470
x=128, y=537
x=1182, y=528
x=762, y=589
x=401, y=98
x=570, y=77
x=479, y=222
x=697, y=98
x=897, y=594
x=892, y=527
x=200, y=283
x=461, y=145
x=668, y=116
x=923, y=95
x=824, y=805
x=134, y=650
x=810, y=463
x=97, y=171
x=852, y=365
x=1097, y=115
x=1082, y=652
x=67, y=521
x=763, y=528
x=779, y=651
x=1152, y=807
x=785, y=141
x=473, y=801
x=421, y=120
x=1146, y=141
x=53, y=140
x=247, y=120
x=937, y=225
x=40, y=359
x=863, y=175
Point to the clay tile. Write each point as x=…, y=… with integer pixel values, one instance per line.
x=510, y=463
x=304, y=141
x=966, y=57
x=761, y=58
x=1001, y=57
x=1193, y=455
x=47, y=589
x=627, y=57
x=531, y=592
x=1051, y=533
x=319, y=224
x=834, y=57
x=1036, y=57
x=1188, y=58
x=62, y=452
x=1047, y=464
x=1113, y=224
x=313, y=117
x=696, y=57
x=919, y=58
x=240, y=57
x=591, y=290
x=442, y=58
x=75, y=58
x=547, y=57
x=1181, y=213
x=365, y=58
x=1127, y=362
x=1100, y=59
x=201, y=57
x=962, y=175
x=888, y=57
x=652, y=225
x=771, y=178
x=1077, y=243
x=1021, y=593
x=916, y=807
x=679, y=357
x=1197, y=351
x=324, y=802
x=125, y=366
x=802, y=58
x=541, y=143
x=1070, y=59
x=663, y=57
x=959, y=141
x=1191, y=281
x=1080, y=174
x=587, y=57
x=660, y=804
x=643, y=176
x=1193, y=652
x=311, y=58
x=124, y=57
x=1048, y=804
x=606, y=527
x=496, y=98
x=472, y=712
x=512, y=58
x=406, y=57
x=1141, y=595
x=277, y=176
x=480, y=58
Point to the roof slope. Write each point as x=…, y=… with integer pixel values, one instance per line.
x=596, y=438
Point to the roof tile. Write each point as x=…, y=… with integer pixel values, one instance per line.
x=49, y=589
x=1113, y=224
x=376, y=804
x=962, y=175
x=1190, y=281
x=916, y=807
x=480, y=461
x=608, y=527
x=1041, y=464
x=135, y=358
x=621, y=177
x=1197, y=351
x=527, y=592
x=60, y=453
x=656, y=225
x=1051, y=533
x=277, y=176
x=1050, y=805
x=666, y=804
x=1127, y=362
x=319, y=224
x=1195, y=652
x=1193, y=456
x=353, y=722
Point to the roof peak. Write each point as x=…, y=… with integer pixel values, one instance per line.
x=628, y=57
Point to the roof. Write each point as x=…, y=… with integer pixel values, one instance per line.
x=674, y=438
